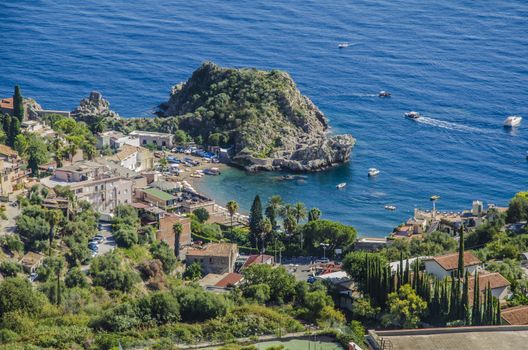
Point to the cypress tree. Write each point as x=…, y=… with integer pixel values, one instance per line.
x=6, y=125
x=14, y=130
x=461, y=254
x=407, y=278
x=400, y=271
x=453, y=310
x=465, y=299
x=255, y=216
x=18, y=105
x=475, y=317
x=498, y=318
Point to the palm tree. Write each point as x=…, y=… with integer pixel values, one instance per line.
x=232, y=208
x=177, y=228
x=265, y=229
x=99, y=125
x=273, y=208
x=314, y=214
x=286, y=210
x=72, y=150
x=299, y=212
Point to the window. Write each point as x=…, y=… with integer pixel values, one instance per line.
x=163, y=143
x=144, y=142
x=210, y=260
x=155, y=142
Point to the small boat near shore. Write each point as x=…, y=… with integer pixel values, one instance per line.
x=384, y=94
x=341, y=185
x=512, y=121
x=390, y=207
x=211, y=171
x=412, y=115
x=373, y=172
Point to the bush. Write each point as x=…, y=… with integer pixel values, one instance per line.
x=75, y=278
x=10, y=268
x=17, y=294
x=161, y=251
x=201, y=214
x=108, y=271
x=197, y=305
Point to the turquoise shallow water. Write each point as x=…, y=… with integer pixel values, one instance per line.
x=461, y=63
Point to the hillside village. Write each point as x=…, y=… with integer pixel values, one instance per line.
x=103, y=229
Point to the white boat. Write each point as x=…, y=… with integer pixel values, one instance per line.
x=412, y=115
x=384, y=94
x=341, y=185
x=513, y=121
x=343, y=45
x=390, y=207
x=373, y=172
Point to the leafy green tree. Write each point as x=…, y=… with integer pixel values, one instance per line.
x=273, y=209
x=33, y=228
x=20, y=145
x=517, y=209
x=289, y=224
x=265, y=230
x=18, y=104
x=333, y=233
x=259, y=293
x=282, y=284
x=314, y=214
x=75, y=278
x=160, y=250
x=197, y=305
x=10, y=268
x=405, y=308
x=201, y=214
x=164, y=308
x=17, y=294
x=110, y=272
x=37, y=153
x=181, y=137
x=193, y=272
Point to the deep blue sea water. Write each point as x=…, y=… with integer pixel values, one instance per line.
x=464, y=64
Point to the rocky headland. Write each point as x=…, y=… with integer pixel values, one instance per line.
x=261, y=114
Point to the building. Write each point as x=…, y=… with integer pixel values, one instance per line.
x=31, y=261
x=257, y=259
x=500, y=286
x=133, y=158
x=8, y=154
x=517, y=315
x=442, y=266
x=115, y=140
x=95, y=183
x=12, y=172
x=166, y=232
x=370, y=243
x=6, y=106
x=220, y=282
x=216, y=258
x=158, y=198
x=450, y=338
x=157, y=139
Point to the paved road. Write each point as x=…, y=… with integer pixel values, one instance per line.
x=8, y=226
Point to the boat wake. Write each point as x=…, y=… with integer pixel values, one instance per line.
x=448, y=125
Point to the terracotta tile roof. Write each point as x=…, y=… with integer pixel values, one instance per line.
x=7, y=103
x=31, y=259
x=230, y=279
x=126, y=151
x=214, y=249
x=450, y=261
x=517, y=315
x=8, y=151
x=256, y=259
x=494, y=279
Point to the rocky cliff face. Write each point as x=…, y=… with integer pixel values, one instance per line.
x=262, y=114
x=94, y=106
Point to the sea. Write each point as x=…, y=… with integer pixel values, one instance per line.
x=462, y=64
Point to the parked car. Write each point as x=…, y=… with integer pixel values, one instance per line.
x=322, y=261
x=93, y=246
x=33, y=276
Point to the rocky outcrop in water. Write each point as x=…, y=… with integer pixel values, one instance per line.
x=94, y=106
x=261, y=114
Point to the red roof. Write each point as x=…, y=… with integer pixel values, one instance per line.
x=230, y=280
x=450, y=261
x=516, y=315
x=257, y=259
x=493, y=279
x=6, y=103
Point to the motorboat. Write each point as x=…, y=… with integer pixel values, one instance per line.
x=373, y=172
x=384, y=94
x=390, y=207
x=343, y=45
x=512, y=121
x=341, y=185
x=412, y=115
x=212, y=171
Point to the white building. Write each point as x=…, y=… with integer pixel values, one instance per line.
x=442, y=266
x=133, y=158
x=157, y=139
x=500, y=286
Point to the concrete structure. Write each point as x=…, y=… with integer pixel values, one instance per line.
x=158, y=198
x=216, y=258
x=80, y=171
x=31, y=126
x=442, y=266
x=6, y=106
x=157, y=139
x=370, y=243
x=47, y=112
x=517, y=315
x=500, y=286
x=116, y=140
x=133, y=158
x=450, y=338
x=31, y=261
